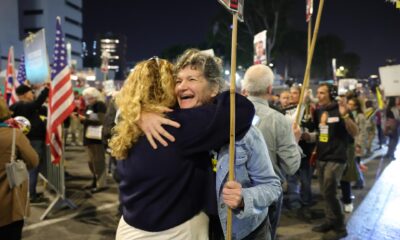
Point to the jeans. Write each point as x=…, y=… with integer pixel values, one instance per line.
x=299, y=196
x=40, y=149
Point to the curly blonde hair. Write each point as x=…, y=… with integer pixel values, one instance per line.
x=148, y=88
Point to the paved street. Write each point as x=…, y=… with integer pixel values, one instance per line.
x=96, y=215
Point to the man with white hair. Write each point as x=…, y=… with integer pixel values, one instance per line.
x=281, y=139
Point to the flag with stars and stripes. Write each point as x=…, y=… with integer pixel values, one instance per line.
x=10, y=76
x=21, y=77
x=61, y=99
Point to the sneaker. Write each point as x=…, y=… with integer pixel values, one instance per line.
x=324, y=227
x=335, y=234
x=348, y=208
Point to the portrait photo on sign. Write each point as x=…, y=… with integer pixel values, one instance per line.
x=346, y=85
x=260, y=48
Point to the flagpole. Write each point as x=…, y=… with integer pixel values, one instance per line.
x=231, y=175
x=309, y=60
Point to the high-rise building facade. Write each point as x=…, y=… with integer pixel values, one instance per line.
x=115, y=46
x=19, y=17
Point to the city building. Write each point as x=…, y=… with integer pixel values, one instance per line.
x=111, y=45
x=19, y=17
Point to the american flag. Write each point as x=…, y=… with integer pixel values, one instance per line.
x=21, y=77
x=61, y=99
x=10, y=76
x=309, y=9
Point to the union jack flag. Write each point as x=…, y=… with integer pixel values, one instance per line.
x=61, y=99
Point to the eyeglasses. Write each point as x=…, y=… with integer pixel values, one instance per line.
x=156, y=59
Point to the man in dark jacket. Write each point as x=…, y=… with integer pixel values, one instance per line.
x=334, y=124
x=32, y=109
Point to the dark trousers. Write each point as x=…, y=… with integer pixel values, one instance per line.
x=12, y=231
x=262, y=232
x=329, y=175
x=40, y=148
x=393, y=140
x=346, y=191
x=274, y=215
x=381, y=137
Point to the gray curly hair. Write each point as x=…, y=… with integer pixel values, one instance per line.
x=211, y=66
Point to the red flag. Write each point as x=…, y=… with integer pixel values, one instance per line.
x=309, y=9
x=61, y=98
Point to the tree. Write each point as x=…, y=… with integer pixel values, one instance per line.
x=270, y=15
x=172, y=52
x=351, y=61
x=258, y=16
x=327, y=47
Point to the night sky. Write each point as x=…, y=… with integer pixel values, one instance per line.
x=369, y=28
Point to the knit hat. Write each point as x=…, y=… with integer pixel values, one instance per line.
x=22, y=89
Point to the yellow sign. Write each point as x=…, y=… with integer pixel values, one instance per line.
x=398, y=4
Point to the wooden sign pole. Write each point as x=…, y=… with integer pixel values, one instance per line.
x=231, y=175
x=309, y=60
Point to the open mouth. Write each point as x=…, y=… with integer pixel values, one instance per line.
x=186, y=97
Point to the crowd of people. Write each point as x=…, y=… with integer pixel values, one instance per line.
x=166, y=131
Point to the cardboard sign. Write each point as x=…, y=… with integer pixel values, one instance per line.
x=235, y=6
x=231, y=5
x=390, y=79
x=36, y=59
x=346, y=85
x=260, y=48
x=209, y=52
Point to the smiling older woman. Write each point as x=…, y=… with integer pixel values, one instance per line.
x=164, y=191
x=256, y=186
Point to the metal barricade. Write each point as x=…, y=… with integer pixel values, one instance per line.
x=53, y=174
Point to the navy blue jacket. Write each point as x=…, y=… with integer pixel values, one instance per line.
x=163, y=188
x=32, y=111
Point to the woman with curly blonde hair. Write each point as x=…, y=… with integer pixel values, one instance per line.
x=141, y=94
x=164, y=191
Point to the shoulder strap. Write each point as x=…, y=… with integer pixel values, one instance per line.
x=13, y=147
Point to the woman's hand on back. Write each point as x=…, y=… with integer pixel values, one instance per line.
x=151, y=125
